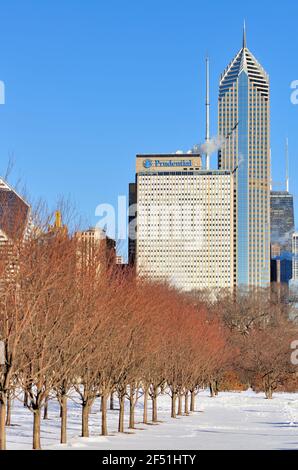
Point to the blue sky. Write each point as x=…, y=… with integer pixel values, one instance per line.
x=90, y=84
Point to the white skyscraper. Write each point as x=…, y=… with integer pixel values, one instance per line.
x=293, y=284
x=184, y=222
x=295, y=257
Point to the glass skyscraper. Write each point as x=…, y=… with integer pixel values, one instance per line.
x=282, y=229
x=244, y=123
x=282, y=219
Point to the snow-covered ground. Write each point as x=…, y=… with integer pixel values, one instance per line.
x=230, y=421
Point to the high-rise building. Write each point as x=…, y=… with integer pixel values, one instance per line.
x=295, y=256
x=282, y=229
x=244, y=122
x=293, y=284
x=184, y=222
x=282, y=219
x=14, y=214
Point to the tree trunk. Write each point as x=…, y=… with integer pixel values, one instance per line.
x=112, y=401
x=154, y=405
x=63, y=414
x=25, y=402
x=186, y=404
x=212, y=391
x=121, y=414
x=192, y=401
x=145, y=412
x=268, y=388
x=3, y=400
x=45, y=409
x=131, y=408
x=104, y=424
x=36, y=430
x=269, y=393
x=173, y=408
x=85, y=420
x=179, y=404
x=8, y=411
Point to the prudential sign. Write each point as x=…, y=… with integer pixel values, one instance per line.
x=166, y=163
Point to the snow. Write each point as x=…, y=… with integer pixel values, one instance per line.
x=230, y=421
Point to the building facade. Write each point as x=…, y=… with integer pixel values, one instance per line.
x=282, y=229
x=293, y=284
x=95, y=249
x=184, y=222
x=15, y=224
x=281, y=265
x=244, y=124
x=15, y=220
x=295, y=256
x=282, y=219
x=132, y=201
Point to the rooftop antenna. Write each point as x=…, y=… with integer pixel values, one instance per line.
x=287, y=165
x=207, y=113
x=244, y=35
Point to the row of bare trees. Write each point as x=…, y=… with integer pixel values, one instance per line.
x=98, y=333
x=69, y=329
x=260, y=334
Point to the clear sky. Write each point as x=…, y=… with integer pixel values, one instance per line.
x=91, y=83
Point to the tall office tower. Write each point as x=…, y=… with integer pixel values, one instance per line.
x=293, y=284
x=295, y=256
x=282, y=219
x=244, y=121
x=282, y=229
x=184, y=222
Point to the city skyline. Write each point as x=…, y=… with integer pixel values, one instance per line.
x=148, y=229
x=84, y=126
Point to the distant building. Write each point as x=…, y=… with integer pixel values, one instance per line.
x=14, y=214
x=95, y=248
x=282, y=219
x=295, y=256
x=15, y=225
x=119, y=260
x=282, y=229
x=184, y=222
x=281, y=265
x=132, y=201
x=293, y=284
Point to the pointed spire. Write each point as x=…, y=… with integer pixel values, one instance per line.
x=287, y=166
x=244, y=35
